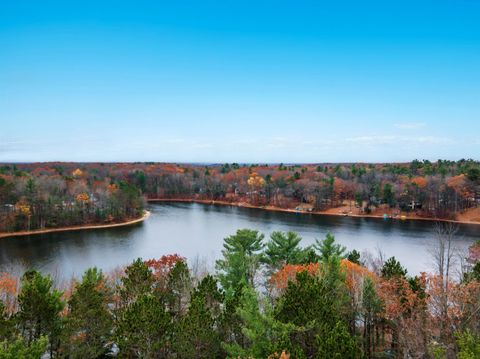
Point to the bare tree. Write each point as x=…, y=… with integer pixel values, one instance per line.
x=375, y=261
x=444, y=249
x=444, y=255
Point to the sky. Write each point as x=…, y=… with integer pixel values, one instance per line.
x=239, y=81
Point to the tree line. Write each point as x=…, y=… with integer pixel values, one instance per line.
x=51, y=197
x=45, y=195
x=267, y=298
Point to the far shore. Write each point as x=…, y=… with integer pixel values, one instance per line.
x=318, y=213
x=76, y=228
x=331, y=212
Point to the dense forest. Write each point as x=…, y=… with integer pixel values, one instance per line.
x=268, y=298
x=46, y=195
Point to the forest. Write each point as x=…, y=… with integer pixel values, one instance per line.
x=265, y=298
x=50, y=195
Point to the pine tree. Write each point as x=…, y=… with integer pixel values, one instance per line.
x=196, y=335
x=371, y=307
x=138, y=280
x=6, y=324
x=89, y=322
x=17, y=348
x=283, y=248
x=392, y=268
x=264, y=334
x=314, y=304
x=230, y=324
x=39, y=309
x=179, y=286
x=327, y=248
x=144, y=329
x=336, y=343
x=241, y=259
x=354, y=257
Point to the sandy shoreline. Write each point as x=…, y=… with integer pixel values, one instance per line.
x=318, y=213
x=75, y=228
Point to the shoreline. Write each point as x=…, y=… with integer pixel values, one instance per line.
x=317, y=213
x=224, y=203
x=76, y=228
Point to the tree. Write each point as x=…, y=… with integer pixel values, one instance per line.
x=392, y=268
x=283, y=248
x=144, y=328
x=388, y=195
x=337, y=343
x=444, y=250
x=89, y=322
x=371, y=307
x=443, y=256
x=264, y=334
x=6, y=324
x=138, y=280
x=241, y=259
x=179, y=286
x=327, y=248
x=197, y=336
x=230, y=323
x=19, y=349
x=39, y=309
x=354, y=256
x=314, y=304
x=469, y=345
x=473, y=174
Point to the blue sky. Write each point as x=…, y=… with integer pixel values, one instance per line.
x=259, y=81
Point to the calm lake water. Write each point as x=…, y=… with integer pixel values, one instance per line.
x=197, y=231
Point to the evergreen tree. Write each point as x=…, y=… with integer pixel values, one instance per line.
x=179, y=286
x=18, y=349
x=241, y=259
x=138, y=280
x=371, y=307
x=314, y=304
x=283, y=248
x=354, y=257
x=264, y=335
x=392, y=268
x=327, y=248
x=6, y=324
x=89, y=322
x=197, y=336
x=388, y=194
x=144, y=329
x=39, y=309
x=230, y=321
x=469, y=345
x=336, y=343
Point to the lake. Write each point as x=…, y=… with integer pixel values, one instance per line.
x=197, y=231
